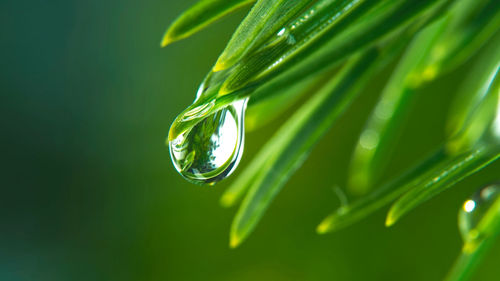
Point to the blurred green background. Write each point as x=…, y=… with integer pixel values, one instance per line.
x=89, y=192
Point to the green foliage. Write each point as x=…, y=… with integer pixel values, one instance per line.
x=290, y=145
x=286, y=49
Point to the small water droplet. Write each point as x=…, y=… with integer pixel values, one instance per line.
x=474, y=209
x=211, y=150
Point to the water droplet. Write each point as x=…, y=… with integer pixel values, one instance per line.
x=211, y=150
x=474, y=209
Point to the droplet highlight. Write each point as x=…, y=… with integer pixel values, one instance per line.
x=475, y=209
x=210, y=150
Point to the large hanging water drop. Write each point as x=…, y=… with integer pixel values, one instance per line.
x=210, y=151
x=476, y=209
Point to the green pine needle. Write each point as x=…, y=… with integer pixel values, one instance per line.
x=199, y=16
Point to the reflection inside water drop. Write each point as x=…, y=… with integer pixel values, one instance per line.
x=211, y=150
x=198, y=111
x=475, y=208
